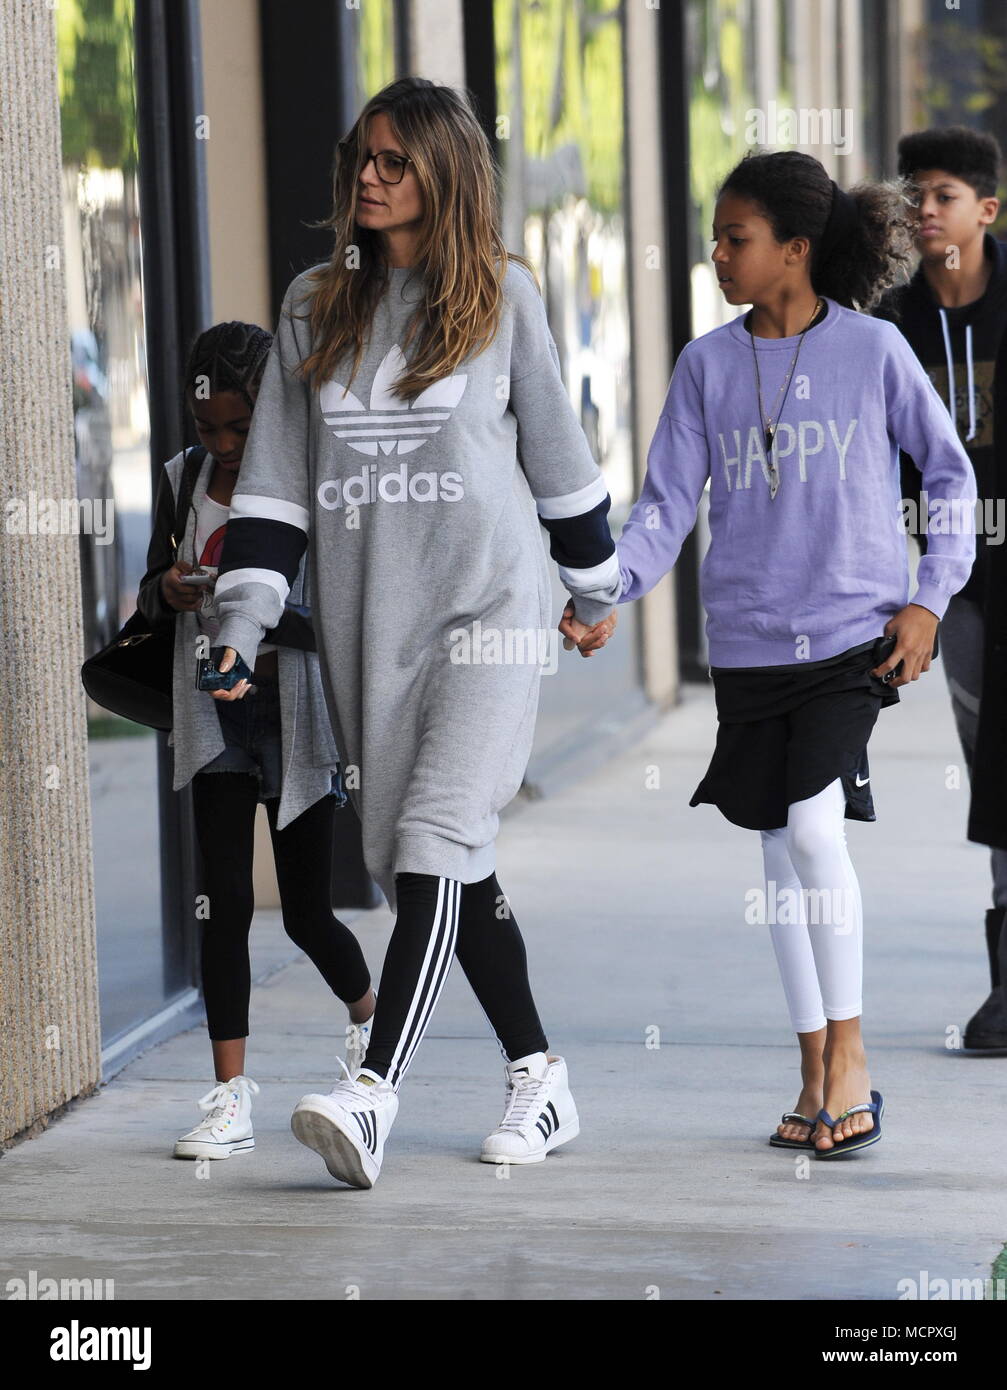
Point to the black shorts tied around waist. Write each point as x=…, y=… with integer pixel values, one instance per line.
x=786, y=732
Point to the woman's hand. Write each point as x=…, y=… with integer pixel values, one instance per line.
x=241, y=689
x=182, y=597
x=585, y=639
x=914, y=627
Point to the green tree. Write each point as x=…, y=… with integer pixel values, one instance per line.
x=94, y=41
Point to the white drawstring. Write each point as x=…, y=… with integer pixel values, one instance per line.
x=951, y=366
x=971, y=383
x=970, y=375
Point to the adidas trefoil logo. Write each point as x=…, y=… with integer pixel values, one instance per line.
x=391, y=424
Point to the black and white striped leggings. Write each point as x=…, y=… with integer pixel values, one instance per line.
x=437, y=919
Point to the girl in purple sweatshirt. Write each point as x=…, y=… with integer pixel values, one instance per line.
x=793, y=415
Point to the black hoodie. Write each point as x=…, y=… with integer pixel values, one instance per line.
x=950, y=343
x=988, y=806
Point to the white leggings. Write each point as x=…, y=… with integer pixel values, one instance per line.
x=815, y=912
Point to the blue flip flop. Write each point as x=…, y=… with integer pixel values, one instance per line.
x=779, y=1142
x=860, y=1141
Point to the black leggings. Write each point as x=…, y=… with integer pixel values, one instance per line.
x=437, y=919
x=224, y=804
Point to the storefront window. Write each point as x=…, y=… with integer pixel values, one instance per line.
x=782, y=74
x=374, y=48
x=956, y=68
x=562, y=150
x=105, y=303
x=722, y=80
x=561, y=128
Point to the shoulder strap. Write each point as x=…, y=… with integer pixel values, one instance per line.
x=194, y=461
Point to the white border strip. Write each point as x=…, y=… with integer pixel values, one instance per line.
x=597, y=577
x=572, y=503
x=245, y=504
x=272, y=578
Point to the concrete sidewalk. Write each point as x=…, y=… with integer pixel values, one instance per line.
x=632, y=905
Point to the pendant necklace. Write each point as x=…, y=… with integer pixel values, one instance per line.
x=770, y=426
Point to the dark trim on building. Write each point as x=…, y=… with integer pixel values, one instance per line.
x=674, y=155
x=309, y=102
x=480, y=65
x=631, y=286
x=176, y=286
x=882, y=33
x=172, y=181
x=403, y=37
x=308, y=105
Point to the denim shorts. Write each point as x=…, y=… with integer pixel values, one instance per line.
x=253, y=741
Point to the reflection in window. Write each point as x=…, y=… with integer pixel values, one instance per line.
x=374, y=48
x=719, y=49
x=101, y=227
x=560, y=122
x=956, y=65
x=101, y=219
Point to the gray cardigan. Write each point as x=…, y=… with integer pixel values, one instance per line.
x=309, y=749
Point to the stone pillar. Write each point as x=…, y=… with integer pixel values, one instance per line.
x=50, y=1040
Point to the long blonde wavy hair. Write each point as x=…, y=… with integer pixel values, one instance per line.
x=459, y=248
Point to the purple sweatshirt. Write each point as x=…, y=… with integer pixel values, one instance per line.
x=822, y=566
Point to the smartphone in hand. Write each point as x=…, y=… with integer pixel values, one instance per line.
x=208, y=677
x=883, y=649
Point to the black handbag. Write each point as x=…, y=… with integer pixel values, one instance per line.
x=132, y=676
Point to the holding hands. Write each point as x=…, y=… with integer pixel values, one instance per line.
x=585, y=639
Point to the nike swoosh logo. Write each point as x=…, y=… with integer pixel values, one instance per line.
x=861, y=783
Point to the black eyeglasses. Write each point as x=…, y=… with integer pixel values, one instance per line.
x=389, y=166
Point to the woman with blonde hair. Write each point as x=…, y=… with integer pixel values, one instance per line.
x=413, y=429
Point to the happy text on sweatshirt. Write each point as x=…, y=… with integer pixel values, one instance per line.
x=823, y=565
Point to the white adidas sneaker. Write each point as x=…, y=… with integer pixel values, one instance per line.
x=348, y=1127
x=539, y=1115
x=226, y=1126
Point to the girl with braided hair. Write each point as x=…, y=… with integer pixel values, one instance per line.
x=275, y=747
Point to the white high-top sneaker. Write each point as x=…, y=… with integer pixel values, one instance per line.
x=226, y=1126
x=539, y=1113
x=348, y=1127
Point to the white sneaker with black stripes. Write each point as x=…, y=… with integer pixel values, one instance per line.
x=539, y=1114
x=348, y=1127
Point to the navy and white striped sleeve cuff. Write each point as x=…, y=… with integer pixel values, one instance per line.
x=263, y=546
x=264, y=543
x=582, y=546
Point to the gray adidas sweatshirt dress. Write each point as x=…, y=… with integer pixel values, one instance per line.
x=431, y=587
